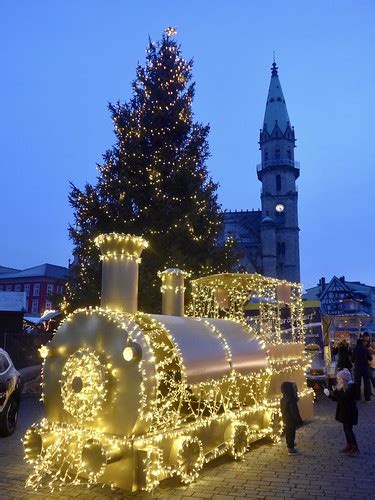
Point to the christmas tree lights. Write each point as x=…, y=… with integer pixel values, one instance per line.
x=154, y=181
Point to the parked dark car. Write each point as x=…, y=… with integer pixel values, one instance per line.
x=10, y=394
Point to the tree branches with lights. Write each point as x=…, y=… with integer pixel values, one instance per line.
x=153, y=182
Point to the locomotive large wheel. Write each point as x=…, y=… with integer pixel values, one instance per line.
x=187, y=455
x=9, y=417
x=237, y=436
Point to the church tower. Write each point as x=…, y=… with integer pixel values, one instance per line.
x=278, y=172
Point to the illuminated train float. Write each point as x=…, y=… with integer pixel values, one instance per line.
x=133, y=398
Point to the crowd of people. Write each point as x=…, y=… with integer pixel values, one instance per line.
x=359, y=361
x=358, y=364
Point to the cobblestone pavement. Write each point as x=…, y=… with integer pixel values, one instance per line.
x=265, y=472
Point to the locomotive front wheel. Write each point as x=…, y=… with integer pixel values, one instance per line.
x=188, y=458
x=276, y=426
x=152, y=466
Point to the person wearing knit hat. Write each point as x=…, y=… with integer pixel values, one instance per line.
x=346, y=411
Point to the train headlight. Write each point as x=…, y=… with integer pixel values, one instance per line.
x=132, y=353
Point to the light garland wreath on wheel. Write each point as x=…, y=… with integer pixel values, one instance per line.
x=237, y=435
x=84, y=385
x=187, y=454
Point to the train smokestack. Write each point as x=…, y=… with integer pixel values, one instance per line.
x=173, y=291
x=121, y=257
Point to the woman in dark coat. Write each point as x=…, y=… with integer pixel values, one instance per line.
x=346, y=411
x=361, y=358
x=344, y=355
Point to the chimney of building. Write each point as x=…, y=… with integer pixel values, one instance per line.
x=173, y=291
x=121, y=257
x=322, y=283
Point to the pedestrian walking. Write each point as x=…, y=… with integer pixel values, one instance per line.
x=372, y=366
x=361, y=358
x=346, y=411
x=344, y=355
x=290, y=414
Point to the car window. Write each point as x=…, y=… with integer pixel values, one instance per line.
x=4, y=363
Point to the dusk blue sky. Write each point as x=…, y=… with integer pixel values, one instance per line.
x=63, y=60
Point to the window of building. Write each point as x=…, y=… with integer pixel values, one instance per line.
x=36, y=289
x=17, y=288
x=281, y=249
x=26, y=288
x=35, y=306
x=4, y=363
x=8, y=288
x=277, y=153
x=278, y=182
x=48, y=304
x=289, y=154
x=49, y=288
x=266, y=155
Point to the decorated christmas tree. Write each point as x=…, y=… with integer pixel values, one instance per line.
x=153, y=182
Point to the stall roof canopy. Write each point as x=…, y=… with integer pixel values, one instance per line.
x=13, y=301
x=46, y=317
x=350, y=321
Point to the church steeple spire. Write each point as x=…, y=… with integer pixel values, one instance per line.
x=276, y=112
x=278, y=173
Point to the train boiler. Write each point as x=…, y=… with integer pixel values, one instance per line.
x=133, y=398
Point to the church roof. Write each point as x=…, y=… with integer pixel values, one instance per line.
x=276, y=112
x=244, y=225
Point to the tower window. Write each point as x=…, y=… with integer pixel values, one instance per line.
x=278, y=182
x=289, y=154
x=266, y=155
x=281, y=249
x=279, y=99
x=277, y=153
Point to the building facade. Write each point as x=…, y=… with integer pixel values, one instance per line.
x=39, y=283
x=339, y=297
x=268, y=238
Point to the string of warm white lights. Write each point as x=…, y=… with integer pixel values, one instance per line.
x=125, y=408
x=176, y=413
